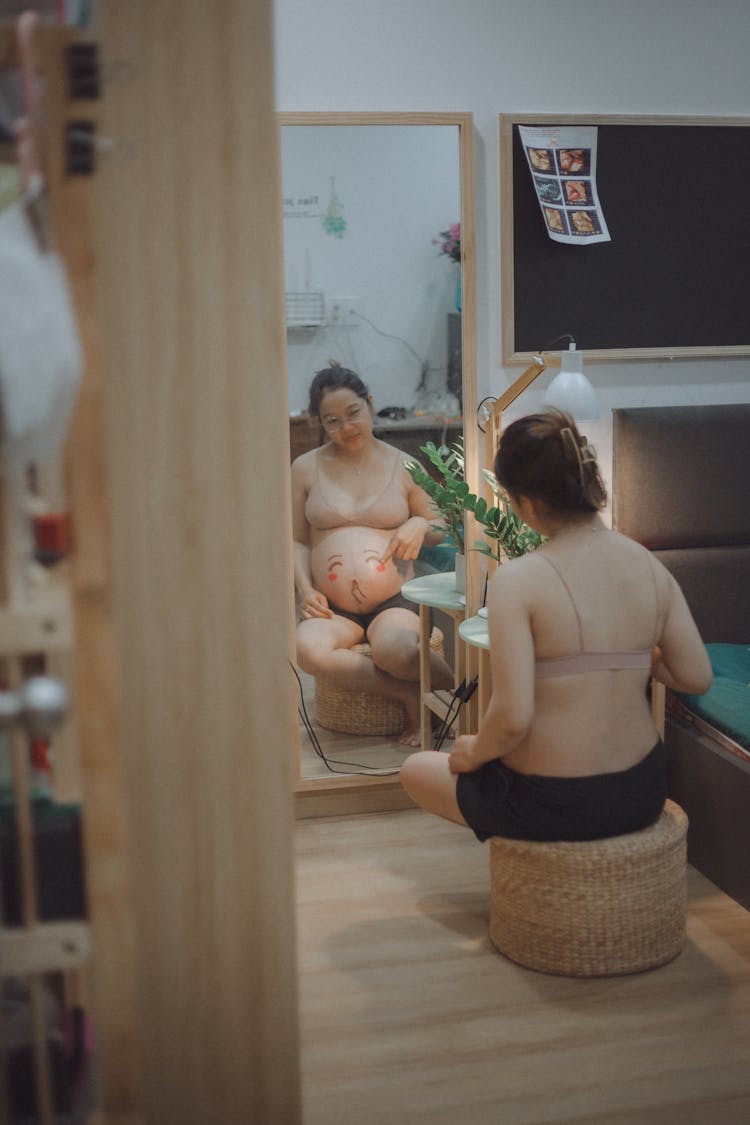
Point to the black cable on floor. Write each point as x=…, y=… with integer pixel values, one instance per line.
x=358, y=768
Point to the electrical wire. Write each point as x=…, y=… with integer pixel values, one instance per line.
x=461, y=695
x=390, y=336
x=487, y=398
x=357, y=768
x=450, y=717
x=547, y=346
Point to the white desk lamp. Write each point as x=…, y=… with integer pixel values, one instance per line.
x=570, y=390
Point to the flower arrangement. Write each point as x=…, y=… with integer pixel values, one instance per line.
x=449, y=242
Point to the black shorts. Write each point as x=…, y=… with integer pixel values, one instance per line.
x=398, y=601
x=497, y=801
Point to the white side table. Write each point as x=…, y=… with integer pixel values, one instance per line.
x=475, y=634
x=436, y=591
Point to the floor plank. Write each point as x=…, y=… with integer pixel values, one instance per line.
x=408, y=1014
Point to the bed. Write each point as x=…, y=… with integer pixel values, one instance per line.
x=680, y=486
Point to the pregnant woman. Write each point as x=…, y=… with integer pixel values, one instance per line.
x=567, y=748
x=359, y=523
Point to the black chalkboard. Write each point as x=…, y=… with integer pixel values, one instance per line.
x=674, y=280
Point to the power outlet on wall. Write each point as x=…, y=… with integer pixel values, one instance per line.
x=345, y=311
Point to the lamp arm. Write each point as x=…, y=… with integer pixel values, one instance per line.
x=532, y=372
x=492, y=433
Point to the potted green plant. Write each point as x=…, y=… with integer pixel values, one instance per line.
x=508, y=536
x=449, y=493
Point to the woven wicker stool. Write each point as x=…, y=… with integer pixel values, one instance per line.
x=598, y=908
x=359, y=712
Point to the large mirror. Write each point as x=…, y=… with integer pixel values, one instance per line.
x=367, y=200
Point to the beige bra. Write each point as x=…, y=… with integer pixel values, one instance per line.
x=584, y=661
x=388, y=509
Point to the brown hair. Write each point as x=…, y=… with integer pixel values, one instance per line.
x=333, y=378
x=544, y=457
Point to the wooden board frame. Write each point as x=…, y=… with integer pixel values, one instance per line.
x=323, y=796
x=512, y=355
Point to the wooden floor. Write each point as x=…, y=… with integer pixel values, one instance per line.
x=409, y=1015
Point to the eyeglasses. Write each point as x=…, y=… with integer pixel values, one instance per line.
x=331, y=423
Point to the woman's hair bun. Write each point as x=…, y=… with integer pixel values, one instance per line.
x=543, y=456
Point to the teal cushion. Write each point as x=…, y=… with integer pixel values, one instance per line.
x=726, y=704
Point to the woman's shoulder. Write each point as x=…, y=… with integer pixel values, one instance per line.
x=303, y=467
x=390, y=451
x=392, y=461
x=401, y=458
x=631, y=550
x=514, y=574
x=616, y=552
x=626, y=542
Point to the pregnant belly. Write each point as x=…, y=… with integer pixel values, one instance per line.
x=346, y=566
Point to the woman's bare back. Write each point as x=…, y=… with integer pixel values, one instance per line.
x=600, y=595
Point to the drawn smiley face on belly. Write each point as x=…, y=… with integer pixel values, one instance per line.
x=348, y=567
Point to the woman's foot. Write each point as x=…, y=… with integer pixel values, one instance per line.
x=411, y=738
x=411, y=735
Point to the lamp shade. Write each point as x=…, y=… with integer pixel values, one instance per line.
x=571, y=391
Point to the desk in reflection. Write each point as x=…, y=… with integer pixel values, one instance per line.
x=408, y=434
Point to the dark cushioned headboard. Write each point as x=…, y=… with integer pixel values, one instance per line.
x=715, y=583
x=680, y=475
x=681, y=486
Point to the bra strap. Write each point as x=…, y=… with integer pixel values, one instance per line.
x=547, y=559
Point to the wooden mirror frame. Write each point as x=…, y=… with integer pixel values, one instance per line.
x=344, y=794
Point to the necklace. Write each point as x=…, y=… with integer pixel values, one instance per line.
x=358, y=465
x=354, y=466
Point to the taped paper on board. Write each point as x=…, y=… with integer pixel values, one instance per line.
x=562, y=163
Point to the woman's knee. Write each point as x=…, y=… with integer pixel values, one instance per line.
x=313, y=653
x=415, y=771
x=306, y=657
x=427, y=779
x=398, y=656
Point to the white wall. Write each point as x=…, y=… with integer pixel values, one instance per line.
x=396, y=189
x=512, y=56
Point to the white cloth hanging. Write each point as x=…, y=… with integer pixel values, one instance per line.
x=40, y=352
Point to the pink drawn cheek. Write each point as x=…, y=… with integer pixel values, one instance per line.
x=380, y=566
x=332, y=577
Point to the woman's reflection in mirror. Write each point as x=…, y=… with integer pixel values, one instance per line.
x=359, y=524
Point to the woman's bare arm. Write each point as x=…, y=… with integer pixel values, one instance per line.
x=510, y=711
x=408, y=539
x=421, y=505
x=680, y=658
x=312, y=602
